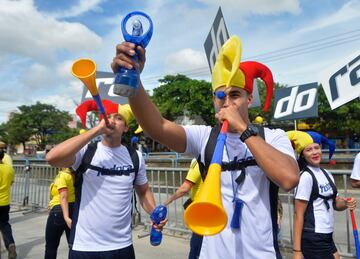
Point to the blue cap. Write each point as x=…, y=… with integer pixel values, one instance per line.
x=134, y=139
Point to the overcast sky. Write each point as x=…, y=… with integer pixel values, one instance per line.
x=40, y=40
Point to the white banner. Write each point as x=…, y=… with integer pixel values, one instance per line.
x=341, y=82
x=296, y=102
x=105, y=83
x=217, y=36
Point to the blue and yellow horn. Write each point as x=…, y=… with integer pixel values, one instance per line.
x=206, y=215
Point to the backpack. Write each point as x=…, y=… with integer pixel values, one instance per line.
x=315, y=189
x=226, y=166
x=86, y=164
x=238, y=165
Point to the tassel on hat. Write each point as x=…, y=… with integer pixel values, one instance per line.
x=83, y=108
x=138, y=130
x=228, y=71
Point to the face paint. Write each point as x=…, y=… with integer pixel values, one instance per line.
x=220, y=95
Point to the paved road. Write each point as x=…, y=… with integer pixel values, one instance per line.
x=29, y=229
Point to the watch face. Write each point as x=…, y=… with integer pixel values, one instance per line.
x=254, y=129
x=250, y=131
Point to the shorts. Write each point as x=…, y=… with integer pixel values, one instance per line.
x=317, y=245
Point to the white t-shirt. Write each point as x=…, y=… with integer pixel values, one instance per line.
x=324, y=218
x=254, y=239
x=104, y=218
x=355, y=174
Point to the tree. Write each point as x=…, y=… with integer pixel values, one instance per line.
x=41, y=122
x=339, y=122
x=17, y=130
x=267, y=116
x=179, y=93
x=4, y=137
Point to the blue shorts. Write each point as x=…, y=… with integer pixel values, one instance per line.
x=123, y=253
x=317, y=245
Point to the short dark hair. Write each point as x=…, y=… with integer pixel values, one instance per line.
x=301, y=161
x=1, y=154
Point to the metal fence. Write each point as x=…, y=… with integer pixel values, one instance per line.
x=32, y=180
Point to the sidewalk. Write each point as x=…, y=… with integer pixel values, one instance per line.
x=29, y=234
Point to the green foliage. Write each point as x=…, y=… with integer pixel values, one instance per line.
x=62, y=135
x=41, y=122
x=340, y=122
x=17, y=130
x=4, y=137
x=178, y=94
x=267, y=116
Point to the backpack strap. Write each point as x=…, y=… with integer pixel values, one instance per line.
x=331, y=182
x=135, y=160
x=314, y=189
x=85, y=163
x=209, y=150
x=210, y=147
x=261, y=130
x=88, y=156
x=238, y=165
x=334, y=189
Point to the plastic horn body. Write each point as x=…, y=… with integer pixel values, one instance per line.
x=85, y=70
x=355, y=233
x=206, y=215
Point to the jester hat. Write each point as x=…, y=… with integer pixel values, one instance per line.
x=301, y=139
x=138, y=130
x=228, y=71
x=110, y=107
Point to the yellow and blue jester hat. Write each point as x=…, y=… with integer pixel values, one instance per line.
x=228, y=71
x=301, y=139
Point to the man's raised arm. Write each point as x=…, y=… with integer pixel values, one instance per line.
x=147, y=114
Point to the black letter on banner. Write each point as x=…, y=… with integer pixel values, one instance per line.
x=216, y=38
x=354, y=78
x=332, y=82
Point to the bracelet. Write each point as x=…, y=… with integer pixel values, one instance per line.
x=294, y=250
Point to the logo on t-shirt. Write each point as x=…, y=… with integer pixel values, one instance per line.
x=117, y=170
x=324, y=187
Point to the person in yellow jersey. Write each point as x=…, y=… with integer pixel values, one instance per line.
x=62, y=198
x=6, y=180
x=6, y=159
x=193, y=183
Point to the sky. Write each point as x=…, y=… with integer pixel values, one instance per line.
x=40, y=40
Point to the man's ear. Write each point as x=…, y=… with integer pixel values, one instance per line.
x=126, y=129
x=250, y=99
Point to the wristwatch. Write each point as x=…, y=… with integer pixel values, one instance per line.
x=251, y=130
